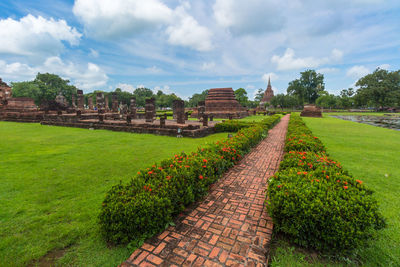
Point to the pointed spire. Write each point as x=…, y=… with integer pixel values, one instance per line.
x=269, y=81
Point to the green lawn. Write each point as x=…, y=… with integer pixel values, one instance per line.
x=360, y=113
x=371, y=154
x=53, y=180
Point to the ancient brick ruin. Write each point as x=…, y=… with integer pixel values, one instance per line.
x=221, y=103
x=60, y=113
x=268, y=94
x=311, y=111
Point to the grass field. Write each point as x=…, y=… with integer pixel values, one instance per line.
x=372, y=155
x=53, y=180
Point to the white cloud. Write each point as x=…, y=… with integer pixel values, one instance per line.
x=249, y=17
x=269, y=75
x=208, y=65
x=94, y=53
x=114, y=19
x=90, y=77
x=110, y=19
x=165, y=89
x=357, y=72
x=289, y=62
x=35, y=36
x=186, y=31
x=327, y=70
x=154, y=70
x=126, y=87
x=384, y=66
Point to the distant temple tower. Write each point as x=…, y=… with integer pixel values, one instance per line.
x=268, y=94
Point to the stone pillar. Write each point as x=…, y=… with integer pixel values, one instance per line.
x=149, y=110
x=114, y=102
x=180, y=111
x=174, y=110
x=162, y=121
x=78, y=113
x=106, y=105
x=101, y=118
x=133, y=108
x=186, y=116
x=100, y=101
x=211, y=117
x=90, y=102
x=230, y=116
x=205, y=120
x=201, y=108
x=128, y=118
x=81, y=100
x=73, y=101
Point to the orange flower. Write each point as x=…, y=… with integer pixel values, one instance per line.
x=138, y=172
x=327, y=177
x=201, y=177
x=279, y=186
x=204, y=160
x=298, y=172
x=345, y=187
x=358, y=181
x=204, y=166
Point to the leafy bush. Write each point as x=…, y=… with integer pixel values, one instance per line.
x=317, y=203
x=232, y=126
x=148, y=203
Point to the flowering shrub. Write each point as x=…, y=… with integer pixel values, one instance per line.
x=149, y=201
x=317, y=203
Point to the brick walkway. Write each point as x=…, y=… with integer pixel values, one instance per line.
x=230, y=226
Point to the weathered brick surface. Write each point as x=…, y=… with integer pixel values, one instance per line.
x=230, y=227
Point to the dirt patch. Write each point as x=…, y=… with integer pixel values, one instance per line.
x=50, y=258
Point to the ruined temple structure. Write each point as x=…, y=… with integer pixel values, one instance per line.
x=150, y=109
x=114, y=102
x=81, y=100
x=221, y=103
x=90, y=103
x=5, y=92
x=179, y=110
x=100, y=102
x=61, y=101
x=311, y=111
x=268, y=94
x=133, y=108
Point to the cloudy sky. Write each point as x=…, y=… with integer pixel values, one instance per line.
x=188, y=46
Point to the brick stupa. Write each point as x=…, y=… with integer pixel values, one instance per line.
x=268, y=94
x=221, y=103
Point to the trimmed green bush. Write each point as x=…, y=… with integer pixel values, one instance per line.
x=317, y=203
x=148, y=203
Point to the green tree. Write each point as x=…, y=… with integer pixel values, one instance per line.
x=259, y=95
x=241, y=96
x=308, y=88
x=327, y=101
x=44, y=88
x=195, y=98
x=379, y=89
x=347, y=98
x=141, y=94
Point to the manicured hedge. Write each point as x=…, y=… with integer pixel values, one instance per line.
x=232, y=125
x=147, y=204
x=317, y=203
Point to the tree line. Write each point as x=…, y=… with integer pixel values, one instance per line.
x=380, y=89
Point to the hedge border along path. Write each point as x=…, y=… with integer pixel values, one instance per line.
x=230, y=226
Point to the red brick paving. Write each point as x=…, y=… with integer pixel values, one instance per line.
x=230, y=227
